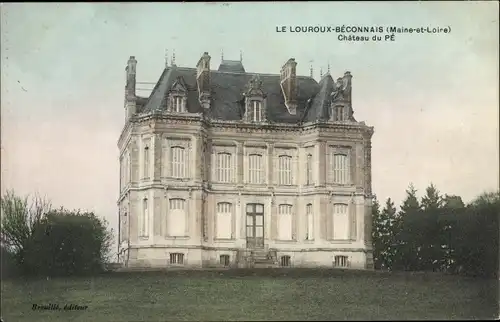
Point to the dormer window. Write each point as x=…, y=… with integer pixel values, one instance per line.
x=255, y=101
x=256, y=107
x=338, y=112
x=177, y=104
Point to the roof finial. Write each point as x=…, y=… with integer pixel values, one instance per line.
x=172, y=61
x=222, y=55
x=321, y=73
x=241, y=56
x=166, y=58
x=312, y=76
x=328, y=72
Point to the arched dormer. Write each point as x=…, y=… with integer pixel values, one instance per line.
x=255, y=101
x=177, y=97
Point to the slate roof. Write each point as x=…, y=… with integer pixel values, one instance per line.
x=228, y=84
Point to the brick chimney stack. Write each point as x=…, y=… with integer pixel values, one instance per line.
x=289, y=85
x=130, y=98
x=203, y=80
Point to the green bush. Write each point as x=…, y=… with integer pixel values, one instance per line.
x=67, y=243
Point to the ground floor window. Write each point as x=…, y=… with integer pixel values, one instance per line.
x=341, y=261
x=285, y=261
x=224, y=260
x=177, y=258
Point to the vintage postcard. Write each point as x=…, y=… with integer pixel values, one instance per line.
x=249, y=161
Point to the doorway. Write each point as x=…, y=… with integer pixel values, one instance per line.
x=255, y=225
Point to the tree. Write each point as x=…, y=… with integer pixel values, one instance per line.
x=69, y=243
x=431, y=242
x=407, y=254
x=20, y=217
x=377, y=231
x=476, y=236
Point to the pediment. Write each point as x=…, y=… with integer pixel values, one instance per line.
x=179, y=85
x=254, y=87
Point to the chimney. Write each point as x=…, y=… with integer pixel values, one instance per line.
x=130, y=98
x=203, y=80
x=289, y=85
x=348, y=86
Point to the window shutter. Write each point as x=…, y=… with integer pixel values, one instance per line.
x=134, y=222
x=330, y=221
x=325, y=214
x=352, y=166
x=274, y=221
x=157, y=216
x=295, y=169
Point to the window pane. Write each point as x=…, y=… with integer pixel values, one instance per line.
x=259, y=220
x=259, y=231
x=249, y=220
x=249, y=231
x=250, y=208
x=259, y=208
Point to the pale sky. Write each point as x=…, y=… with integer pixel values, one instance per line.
x=433, y=99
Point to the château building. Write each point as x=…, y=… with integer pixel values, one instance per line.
x=224, y=167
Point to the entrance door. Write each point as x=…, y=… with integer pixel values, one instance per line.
x=255, y=226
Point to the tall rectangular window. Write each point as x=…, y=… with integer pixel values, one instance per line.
x=146, y=162
x=310, y=222
x=339, y=167
x=144, y=219
x=309, y=177
x=127, y=168
x=256, y=111
x=340, y=222
x=176, y=219
x=285, y=170
x=255, y=169
x=224, y=226
x=178, y=162
x=177, y=104
x=339, y=113
x=285, y=222
x=224, y=167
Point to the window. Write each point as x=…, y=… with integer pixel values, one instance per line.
x=255, y=171
x=309, y=169
x=224, y=260
x=285, y=170
x=340, y=168
x=339, y=113
x=340, y=222
x=178, y=162
x=146, y=162
x=285, y=222
x=177, y=104
x=309, y=216
x=285, y=261
x=127, y=168
x=122, y=181
x=176, y=219
x=144, y=220
x=224, y=167
x=224, y=221
x=256, y=111
x=341, y=261
x=177, y=258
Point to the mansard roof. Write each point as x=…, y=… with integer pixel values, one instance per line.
x=232, y=66
x=228, y=85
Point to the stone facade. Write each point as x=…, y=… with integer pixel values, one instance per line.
x=190, y=175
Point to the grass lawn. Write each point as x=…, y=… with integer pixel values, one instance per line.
x=252, y=295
